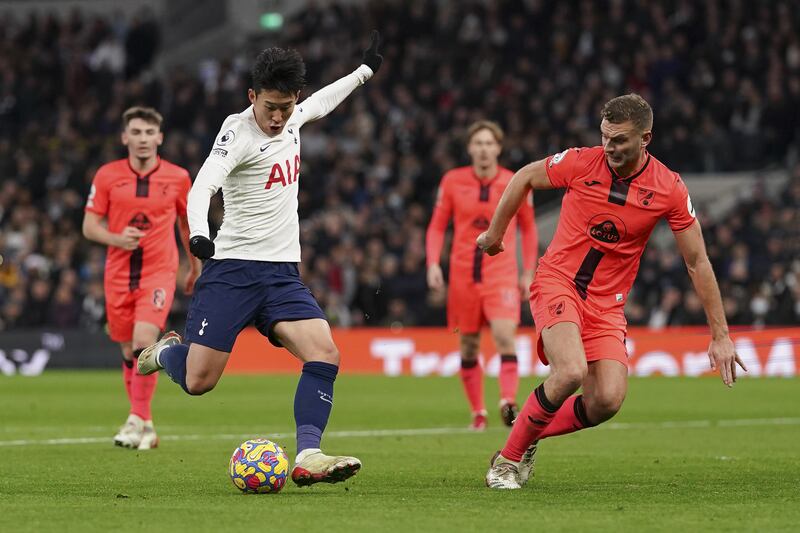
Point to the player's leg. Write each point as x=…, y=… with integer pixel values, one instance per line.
x=564, y=350
x=129, y=434
x=127, y=366
x=558, y=312
x=604, y=391
x=310, y=340
x=607, y=380
x=501, y=307
x=568, y=368
x=504, y=332
x=472, y=378
x=226, y=297
x=195, y=367
x=143, y=387
x=119, y=313
x=464, y=314
x=604, y=387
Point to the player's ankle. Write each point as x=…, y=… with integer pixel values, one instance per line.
x=305, y=453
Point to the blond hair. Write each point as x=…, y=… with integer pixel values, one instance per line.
x=493, y=127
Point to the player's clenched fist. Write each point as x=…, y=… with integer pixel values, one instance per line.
x=372, y=58
x=201, y=247
x=129, y=238
x=490, y=245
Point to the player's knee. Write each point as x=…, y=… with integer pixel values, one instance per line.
x=327, y=353
x=469, y=349
x=505, y=345
x=600, y=407
x=571, y=374
x=199, y=385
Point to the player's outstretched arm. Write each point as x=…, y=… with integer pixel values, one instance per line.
x=531, y=176
x=721, y=351
x=326, y=99
x=207, y=183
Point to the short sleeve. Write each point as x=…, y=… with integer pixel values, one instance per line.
x=680, y=215
x=183, y=194
x=562, y=167
x=98, y=195
x=230, y=145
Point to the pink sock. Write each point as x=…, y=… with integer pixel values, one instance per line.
x=127, y=376
x=509, y=378
x=472, y=378
x=536, y=414
x=570, y=417
x=142, y=389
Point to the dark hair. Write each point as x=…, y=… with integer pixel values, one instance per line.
x=148, y=114
x=629, y=107
x=493, y=127
x=279, y=69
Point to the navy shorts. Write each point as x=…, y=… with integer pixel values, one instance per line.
x=232, y=293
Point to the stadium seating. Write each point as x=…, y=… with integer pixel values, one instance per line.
x=370, y=170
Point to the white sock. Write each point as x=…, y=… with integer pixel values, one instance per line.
x=305, y=453
x=158, y=356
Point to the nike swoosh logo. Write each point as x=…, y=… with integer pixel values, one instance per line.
x=325, y=400
x=264, y=147
x=591, y=183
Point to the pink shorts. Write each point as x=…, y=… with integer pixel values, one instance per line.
x=603, y=329
x=469, y=308
x=150, y=303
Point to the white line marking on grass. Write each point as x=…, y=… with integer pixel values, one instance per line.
x=413, y=432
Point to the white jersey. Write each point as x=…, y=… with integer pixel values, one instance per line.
x=259, y=177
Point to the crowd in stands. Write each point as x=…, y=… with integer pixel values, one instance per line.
x=723, y=78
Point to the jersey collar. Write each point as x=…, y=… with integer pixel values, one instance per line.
x=485, y=180
x=140, y=176
x=633, y=176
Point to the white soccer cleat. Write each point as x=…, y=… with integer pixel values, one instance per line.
x=148, y=359
x=130, y=434
x=149, y=437
x=528, y=464
x=503, y=474
x=316, y=467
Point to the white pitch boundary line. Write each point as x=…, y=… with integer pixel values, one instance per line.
x=684, y=424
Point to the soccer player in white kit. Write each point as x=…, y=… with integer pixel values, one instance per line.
x=251, y=273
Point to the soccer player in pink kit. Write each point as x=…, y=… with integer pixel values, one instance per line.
x=482, y=289
x=615, y=195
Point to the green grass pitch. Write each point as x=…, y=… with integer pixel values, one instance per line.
x=684, y=454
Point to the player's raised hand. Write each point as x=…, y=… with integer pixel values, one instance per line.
x=129, y=238
x=723, y=356
x=490, y=245
x=435, y=277
x=371, y=57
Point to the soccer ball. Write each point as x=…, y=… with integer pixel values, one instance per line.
x=259, y=466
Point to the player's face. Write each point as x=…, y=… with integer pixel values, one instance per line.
x=623, y=143
x=483, y=148
x=272, y=109
x=142, y=138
